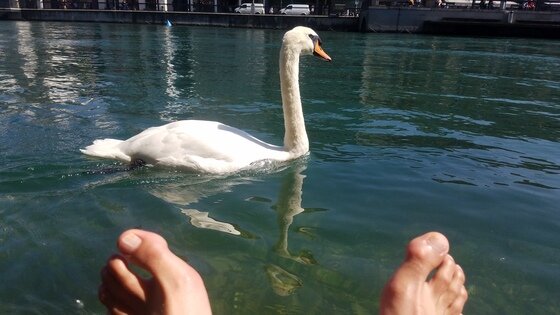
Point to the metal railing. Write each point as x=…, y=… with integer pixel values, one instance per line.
x=537, y=5
x=343, y=8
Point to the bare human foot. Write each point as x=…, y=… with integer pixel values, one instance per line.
x=175, y=288
x=410, y=291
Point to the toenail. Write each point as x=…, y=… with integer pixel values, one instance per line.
x=131, y=242
x=437, y=245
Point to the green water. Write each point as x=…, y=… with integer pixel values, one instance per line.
x=407, y=133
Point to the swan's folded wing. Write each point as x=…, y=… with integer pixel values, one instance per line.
x=200, y=145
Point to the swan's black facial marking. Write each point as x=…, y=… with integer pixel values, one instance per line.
x=316, y=39
x=317, y=49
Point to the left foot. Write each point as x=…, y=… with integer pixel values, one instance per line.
x=175, y=288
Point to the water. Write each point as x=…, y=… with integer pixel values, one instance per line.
x=408, y=134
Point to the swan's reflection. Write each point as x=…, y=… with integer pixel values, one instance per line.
x=182, y=195
x=288, y=205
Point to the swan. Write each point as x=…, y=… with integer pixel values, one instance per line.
x=212, y=147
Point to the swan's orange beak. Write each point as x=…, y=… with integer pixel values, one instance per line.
x=319, y=52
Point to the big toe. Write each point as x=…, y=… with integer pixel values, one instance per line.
x=425, y=253
x=150, y=251
x=180, y=286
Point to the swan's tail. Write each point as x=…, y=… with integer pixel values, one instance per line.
x=106, y=148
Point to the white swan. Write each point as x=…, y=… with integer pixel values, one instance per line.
x=212, y=147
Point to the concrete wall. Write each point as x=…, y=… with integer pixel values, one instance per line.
x=550, y=17
x=412, y=19
x=461, y=21
x=185, y=18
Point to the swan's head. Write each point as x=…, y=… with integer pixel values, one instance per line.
x=305, y=41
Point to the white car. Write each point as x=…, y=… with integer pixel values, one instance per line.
x=245, y=8
x=296, y=9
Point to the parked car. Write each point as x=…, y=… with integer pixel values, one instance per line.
x=296, y=9
x=245, y=8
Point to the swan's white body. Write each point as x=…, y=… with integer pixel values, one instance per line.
x=212, y=147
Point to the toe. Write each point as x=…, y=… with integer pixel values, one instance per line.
x=447, y=290
x=443, y=277
x=425, y=253
x=131, y=283
x=457, y=291
x=181, y=286
x=102, y=295
x=458, y=304
x=459, y=276
x=120, y=289
x=150, y=251
x=113, y=305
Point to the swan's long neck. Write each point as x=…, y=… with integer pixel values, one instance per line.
x=295, y=137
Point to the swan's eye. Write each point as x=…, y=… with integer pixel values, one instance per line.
x=315, y=38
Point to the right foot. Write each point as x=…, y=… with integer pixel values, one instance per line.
x=410, y=291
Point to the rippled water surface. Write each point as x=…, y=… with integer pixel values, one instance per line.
x=408, y=134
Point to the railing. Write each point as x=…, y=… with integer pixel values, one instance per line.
x=347, y=8
x=540, y=5
x=152, y=5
